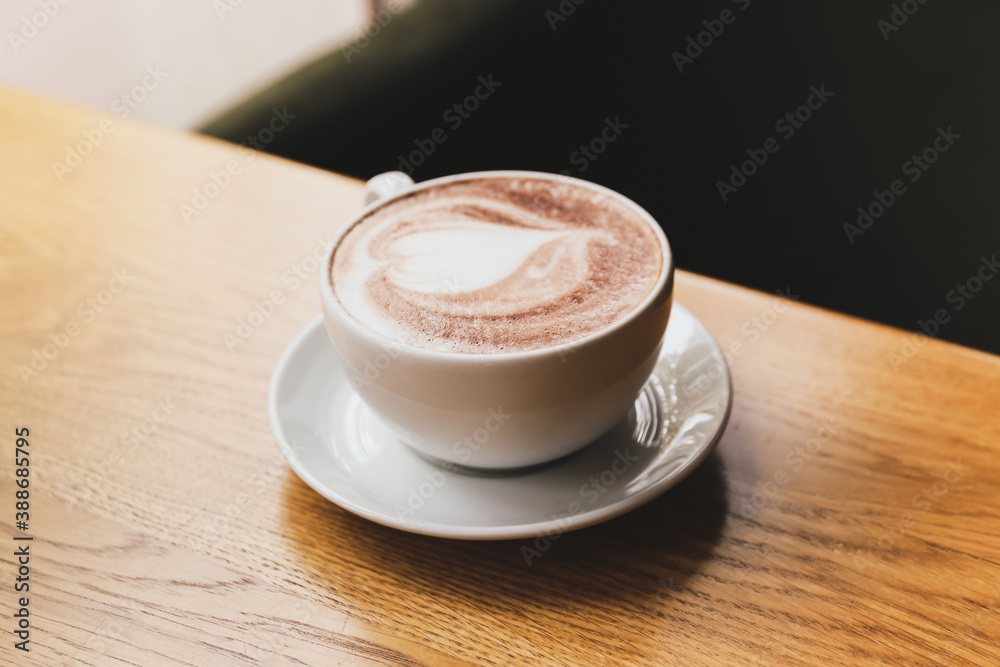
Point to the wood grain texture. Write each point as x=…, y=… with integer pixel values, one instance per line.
x=849, y=514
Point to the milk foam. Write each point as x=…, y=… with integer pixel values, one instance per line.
x=496, y=265
x=460, y=256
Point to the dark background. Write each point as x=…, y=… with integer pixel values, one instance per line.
x=561, y=79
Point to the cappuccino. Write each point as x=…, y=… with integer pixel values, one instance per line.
x=496, y=264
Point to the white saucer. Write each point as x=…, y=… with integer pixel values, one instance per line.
x=340, y=449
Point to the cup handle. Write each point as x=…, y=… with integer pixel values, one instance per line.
x=389, y=184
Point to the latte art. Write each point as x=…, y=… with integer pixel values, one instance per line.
x=491, y=265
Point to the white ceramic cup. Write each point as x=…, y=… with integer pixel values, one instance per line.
x=501, y=410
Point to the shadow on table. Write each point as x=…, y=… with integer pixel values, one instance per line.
x=639, y=561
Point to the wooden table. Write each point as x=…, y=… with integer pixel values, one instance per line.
x=849, y=515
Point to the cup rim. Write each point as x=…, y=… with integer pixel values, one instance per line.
x=664, y=282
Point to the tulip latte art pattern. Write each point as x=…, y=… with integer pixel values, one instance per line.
x=496, y=264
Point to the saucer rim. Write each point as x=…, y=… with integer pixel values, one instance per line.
x=536, y=529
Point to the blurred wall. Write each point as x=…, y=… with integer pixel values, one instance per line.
x=207, y=53
x=753, y=131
